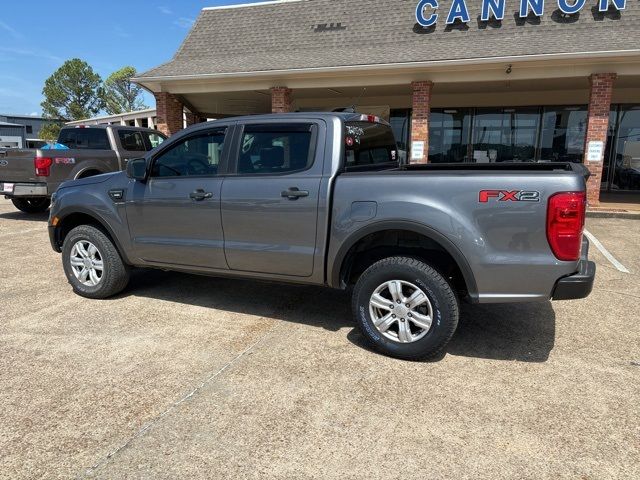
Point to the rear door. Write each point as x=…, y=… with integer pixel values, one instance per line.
x=270, y=204
x=132, y=145
x=174, y=218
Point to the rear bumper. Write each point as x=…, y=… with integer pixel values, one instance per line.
x=580, y=284
x=21, y=189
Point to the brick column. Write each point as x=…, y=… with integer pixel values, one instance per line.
x=281, y=101
x=193, y=118
x=597, y=128
x=169, y=113
x=420, y=118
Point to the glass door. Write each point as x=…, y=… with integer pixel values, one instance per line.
x=624, y=164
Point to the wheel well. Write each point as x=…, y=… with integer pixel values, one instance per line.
x=88, y=173
x=74, y=220
x=392, y=243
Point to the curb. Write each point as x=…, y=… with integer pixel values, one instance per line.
x=623, y=214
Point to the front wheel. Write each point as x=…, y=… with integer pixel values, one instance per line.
x=405, y=308
x=92, y=263
x=31, y=204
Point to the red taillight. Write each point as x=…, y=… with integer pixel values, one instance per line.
x=565, y=224
x=43, y=166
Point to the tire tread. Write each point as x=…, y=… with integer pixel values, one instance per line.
x=435, y=277
x=117, y=272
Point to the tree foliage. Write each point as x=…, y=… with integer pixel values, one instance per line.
x=50, y=131
x=73, y=92
x=120, y=95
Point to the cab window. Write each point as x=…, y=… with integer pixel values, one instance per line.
x=85, y=138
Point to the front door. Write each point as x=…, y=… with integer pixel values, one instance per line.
x=174, y=218
x=270, y=207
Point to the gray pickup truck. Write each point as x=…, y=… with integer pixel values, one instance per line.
x=29, y=176
x=320, y=198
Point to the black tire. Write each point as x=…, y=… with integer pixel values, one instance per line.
x=444, y=304
x=31, y=204
x=115, y=274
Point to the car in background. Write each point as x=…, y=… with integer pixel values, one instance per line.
x=30, y=176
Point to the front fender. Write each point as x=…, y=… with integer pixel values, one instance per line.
x=97, y=205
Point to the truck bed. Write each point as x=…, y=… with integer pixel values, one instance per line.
x=499, y=167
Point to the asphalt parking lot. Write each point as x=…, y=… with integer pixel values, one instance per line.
x=187, y=376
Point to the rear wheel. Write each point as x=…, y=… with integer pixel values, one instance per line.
x=31, y=204
x=92, y=263
x=405, y=308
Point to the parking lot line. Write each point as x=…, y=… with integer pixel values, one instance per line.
x=606, y=252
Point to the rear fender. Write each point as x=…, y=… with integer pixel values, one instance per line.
x=333, y=276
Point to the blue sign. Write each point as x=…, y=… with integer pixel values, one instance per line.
x=427, y=10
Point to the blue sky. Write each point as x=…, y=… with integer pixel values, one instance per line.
x=37, y=36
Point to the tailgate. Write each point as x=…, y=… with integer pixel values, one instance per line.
x=17, y=166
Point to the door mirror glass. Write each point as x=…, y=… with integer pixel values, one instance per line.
x=137, y=169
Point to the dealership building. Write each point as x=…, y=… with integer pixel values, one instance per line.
x=459, y=80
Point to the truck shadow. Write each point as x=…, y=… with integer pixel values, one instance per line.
x=29, y=217
x=521, y=332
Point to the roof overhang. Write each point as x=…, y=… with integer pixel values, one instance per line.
x=599, y=61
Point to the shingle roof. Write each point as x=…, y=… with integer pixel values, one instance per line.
x=283, y=36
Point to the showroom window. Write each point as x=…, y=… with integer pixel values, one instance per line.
x=518, y=134
x=449, y=135
x=563, y=133
x=505, y=134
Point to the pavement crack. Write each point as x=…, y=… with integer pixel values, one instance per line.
x=89, y=471
x=620, y=293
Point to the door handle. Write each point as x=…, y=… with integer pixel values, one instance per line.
x=294, y=193
x=200, y=195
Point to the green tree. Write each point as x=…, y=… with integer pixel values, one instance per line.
x=73, y=92
x=50, y=131
x=120, y=94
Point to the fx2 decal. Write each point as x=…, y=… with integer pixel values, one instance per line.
x=507, y=196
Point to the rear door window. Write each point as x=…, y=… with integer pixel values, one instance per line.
x=276, y=149
x=369, y=145
x=132, y=140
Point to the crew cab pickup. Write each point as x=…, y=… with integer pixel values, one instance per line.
x=320, y=198
x=29, y=176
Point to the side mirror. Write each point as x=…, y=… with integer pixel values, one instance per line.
x=137, y=169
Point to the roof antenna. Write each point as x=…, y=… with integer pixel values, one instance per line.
x=354, y=106
x=357, y=102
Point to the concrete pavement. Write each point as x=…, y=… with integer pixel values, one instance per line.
x=187, y=376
